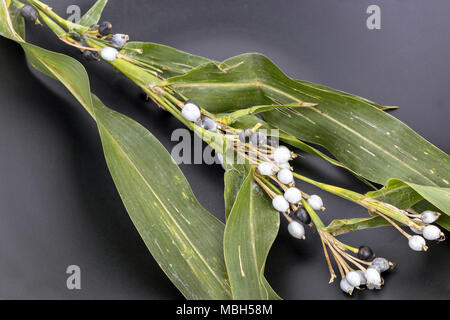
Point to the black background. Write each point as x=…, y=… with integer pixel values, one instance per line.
x=59, y=206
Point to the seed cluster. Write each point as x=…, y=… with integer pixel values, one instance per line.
x=274, y=173
x=425, y=230
x=103, y=33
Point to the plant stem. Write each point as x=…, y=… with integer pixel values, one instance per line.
x=314, y=217
x=368, y=203
x=61, y=21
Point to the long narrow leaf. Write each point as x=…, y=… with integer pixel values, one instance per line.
x=93, y=15
x=250, y=231
x=367, y=140
x=157, y=196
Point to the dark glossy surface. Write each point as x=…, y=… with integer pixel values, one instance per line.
x=58, y=204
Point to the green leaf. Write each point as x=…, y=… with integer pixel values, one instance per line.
x=181, y=235
x=340, y=226
x=233, y=180
x=444, y=219
x=370, y=142
x=345, y=94
x=93, y=15
x=157, y=196
x=250, y=121
x=406, y=194
x=250, y=231
x=12, y=25
x=232, y=117
x=170, y=61
x=396, y=193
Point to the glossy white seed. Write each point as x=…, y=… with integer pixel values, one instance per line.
x=284, y=165
x=191, y=112
x=371, y=286
x=353, y=278
x=381, y=263
x=285, y=176
x=280, y=203
x=119, y=40
x=315, y=202
x=296, y=229
x=281, y=154
x=209, y=124
x=376, y=267
x=414, y=229
x=293, y=195
x=417, y=243
x=345, y=286
x=362, y=277
x=266, y=168
x=109, y=53
x=373, y=276
x=431, y=232
x=429, y=216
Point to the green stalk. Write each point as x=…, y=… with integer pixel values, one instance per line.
x=368, y=203
x=314, y=216
x=69, y=26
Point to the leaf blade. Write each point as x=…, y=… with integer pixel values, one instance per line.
x=250, y=231
x=373, y=144
x=169, y=60
x=195, y=266
x=131, y=151
x=93, y=15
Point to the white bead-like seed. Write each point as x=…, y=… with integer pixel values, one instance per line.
x=266, y=168
x=345, y=286
x=208, y=124
x=371, y=286
x=280, y=203
x=362, y=277
x=373, y=276
x=417, y=243
x=293, y=195
x=285, y=176
x=429, y=216
x=284, y=165
x=431, y=232
x=119, y=40
x=381, y=263
x=109, y=53
x=296, y=229
x=315, y=202
x=353, y=278
x=191, y=112
x=281, y=154
x=414, y=229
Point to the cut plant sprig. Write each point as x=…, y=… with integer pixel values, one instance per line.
x=275, y=174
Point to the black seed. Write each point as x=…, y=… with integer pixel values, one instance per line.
x=91, y=55
x=29, y=13
x=365, y=253
x=245, y=135
x=105, y=28
x=302, y=215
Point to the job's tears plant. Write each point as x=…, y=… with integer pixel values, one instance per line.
x=220, y=102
